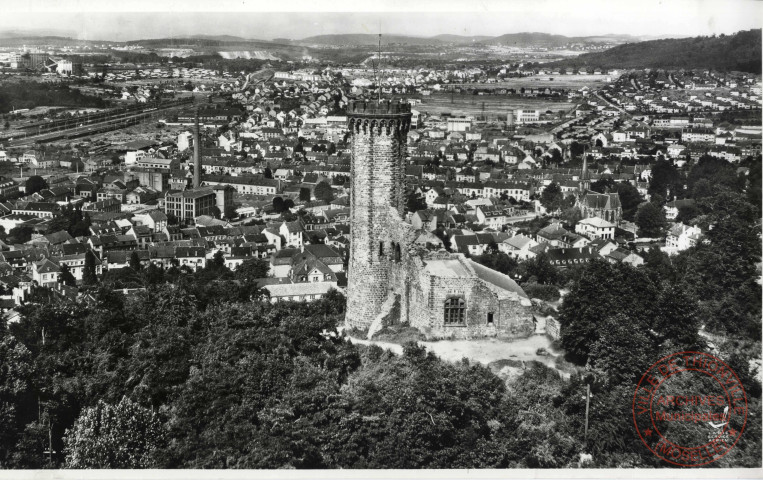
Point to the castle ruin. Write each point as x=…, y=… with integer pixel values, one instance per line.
x=391, y=280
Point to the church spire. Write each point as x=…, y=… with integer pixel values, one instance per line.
x=584, y=183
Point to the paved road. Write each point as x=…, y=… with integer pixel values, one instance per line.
x=614, y=105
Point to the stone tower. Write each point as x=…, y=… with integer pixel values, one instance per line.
x=379, y=134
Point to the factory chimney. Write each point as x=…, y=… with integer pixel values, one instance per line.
x=196, y=153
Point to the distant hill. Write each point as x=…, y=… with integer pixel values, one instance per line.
x=548, y=40
x=20, y=40
x=525, y=39
x=38, y=32
x=226, y=43
x=367, y=39
x=740, y=51
x=224, y=38
x=461, y=38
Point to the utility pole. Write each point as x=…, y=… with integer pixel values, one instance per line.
x=587, y=404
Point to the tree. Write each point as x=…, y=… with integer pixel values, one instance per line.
x=304, y=194
x=125, y=435
x=617, y=336
x=552, y=197
x=415, y=203
x=135, y=262
x=323, y=191
x=34, y=184
x=650, y=220
x=601, y=291
x=665, y=181
x=629, y=199
x=230, y=212
x=754, y=182
x=677, y=318
x=603, y=185
x=20, y=234
x=539, y=270
x=278, y=205
x=215, y=211
x=89, y=277
x=658, y=265
x=703, y=188
x=153, y=274
x=66, y=277
x=252, y=269
x=716, y=170
x=498, y=261
x=16, y=376
x=576, y=149
x=571, y=216
x=267, y=173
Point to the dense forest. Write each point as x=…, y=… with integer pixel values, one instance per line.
x=738, y=52
x=24, y=94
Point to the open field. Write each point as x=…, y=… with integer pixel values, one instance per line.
x=494, y=105
x=546, y=81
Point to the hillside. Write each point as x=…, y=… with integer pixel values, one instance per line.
x=523, y=39
x=528, y=38
x=740, y=52
x=461, y=38
x=13, y=41
x=368, y=39
x=238, y=47
x=556, y=41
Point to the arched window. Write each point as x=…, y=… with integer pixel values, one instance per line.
x=397, y=252
x=381, y=249
x=455, y=311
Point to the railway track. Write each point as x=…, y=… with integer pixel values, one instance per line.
x=79, y=128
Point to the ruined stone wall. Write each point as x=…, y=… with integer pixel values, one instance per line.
x=511, y=318
x=384, y=260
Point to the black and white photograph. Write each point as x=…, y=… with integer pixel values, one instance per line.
x=432, y=239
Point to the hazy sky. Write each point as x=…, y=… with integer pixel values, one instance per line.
x=134, y=19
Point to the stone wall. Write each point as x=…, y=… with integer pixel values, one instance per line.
x=553, y=328
x=385, y=263
x=510, y=317
x=376, y=201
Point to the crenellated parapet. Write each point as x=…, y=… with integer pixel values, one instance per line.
x=380, y=126
x=379, y=118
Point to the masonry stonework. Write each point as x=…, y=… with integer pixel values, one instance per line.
x=379, y=132
x=387, y=266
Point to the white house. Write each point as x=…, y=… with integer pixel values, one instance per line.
x=682, y=237
x=595, y=227
x=518, y=247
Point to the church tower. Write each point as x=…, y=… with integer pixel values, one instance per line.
x=585, y=183
x=377, y=199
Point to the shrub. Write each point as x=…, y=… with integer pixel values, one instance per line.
x=549, y=293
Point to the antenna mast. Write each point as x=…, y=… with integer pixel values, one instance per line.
x=378, y=79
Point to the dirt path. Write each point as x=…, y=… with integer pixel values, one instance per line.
x=486, y=351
